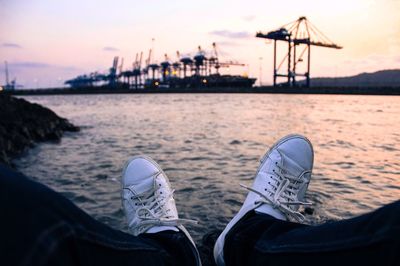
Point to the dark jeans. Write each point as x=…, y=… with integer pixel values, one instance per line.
x=370, y=239
x=40, y=227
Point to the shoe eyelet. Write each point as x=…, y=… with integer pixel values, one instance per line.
x=159, y=185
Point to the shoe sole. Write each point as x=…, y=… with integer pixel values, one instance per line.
x=218, y=251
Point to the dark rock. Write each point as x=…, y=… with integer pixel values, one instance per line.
x=22, y=124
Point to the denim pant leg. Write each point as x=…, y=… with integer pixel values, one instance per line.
x=370, y=239
x=38, y=226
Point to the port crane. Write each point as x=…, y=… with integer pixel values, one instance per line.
x=214, y=61
x=137, y=70
x=296, y=33
x=152, y=66
x=187, y=63
x=197, y=71
x=200, y=62
x=112, y=76
x=176, y=66
x=10, y=85
x=145, y=70
x=165, y=68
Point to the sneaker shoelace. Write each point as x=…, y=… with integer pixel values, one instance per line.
x=152, y=212
x=282, y=194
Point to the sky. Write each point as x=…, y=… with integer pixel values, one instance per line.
x=46, y=42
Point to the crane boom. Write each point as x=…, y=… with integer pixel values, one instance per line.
x=140, y=60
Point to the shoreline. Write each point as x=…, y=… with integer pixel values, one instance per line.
x=263, y=90
x=24, y=124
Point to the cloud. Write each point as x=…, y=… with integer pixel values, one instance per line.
x=29, y=65
x=110, y=49
x=227, y=43
x=232, y=34
x=11, y=45
x=38, y=65
x=249, y=18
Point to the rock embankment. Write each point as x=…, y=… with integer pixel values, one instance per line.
x=22, y=124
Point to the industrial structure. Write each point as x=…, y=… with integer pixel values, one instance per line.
x=201, y=70
x=295, y=34
x=10, y=85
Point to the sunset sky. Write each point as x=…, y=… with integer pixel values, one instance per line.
x=47, y=41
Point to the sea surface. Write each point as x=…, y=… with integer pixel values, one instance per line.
x=210, y=143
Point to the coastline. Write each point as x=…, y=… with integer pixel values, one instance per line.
x=23, y=124
x=263, y=89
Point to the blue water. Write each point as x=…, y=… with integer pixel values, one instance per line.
x=209, y=143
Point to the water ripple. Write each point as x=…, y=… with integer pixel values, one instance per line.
x=208, y=144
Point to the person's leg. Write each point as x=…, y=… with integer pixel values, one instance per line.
x=260, y=234
x=278, y=188
x=38, y=226
x=149, y=206
x=241, y=240
x=370, y=239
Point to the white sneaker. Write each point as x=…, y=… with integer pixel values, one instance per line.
x=279, y=186
x=147, y=200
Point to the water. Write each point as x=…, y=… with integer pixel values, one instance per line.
x=209, y=143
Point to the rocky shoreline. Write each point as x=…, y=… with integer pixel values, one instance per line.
x=22, y=124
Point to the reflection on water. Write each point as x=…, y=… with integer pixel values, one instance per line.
x=210, y=143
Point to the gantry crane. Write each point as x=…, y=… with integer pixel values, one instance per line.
x=296, y=33
x=176, y=66
x=10, y=85
x=112, y=76
x=200, y=61
x=187, y=64
x=214, y=61
x=152, y=66
x=165, y=68
x=137, y=69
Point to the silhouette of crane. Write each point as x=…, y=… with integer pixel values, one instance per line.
x=296, y=33
x=214, y=61
x=112, y=76
x=10, y=85
x=176, y=66
x=187, y=64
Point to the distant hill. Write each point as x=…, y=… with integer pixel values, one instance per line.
x=383, y=78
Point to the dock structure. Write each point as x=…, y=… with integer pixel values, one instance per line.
x=300, y=32
x=200, y=70
x=10, y=85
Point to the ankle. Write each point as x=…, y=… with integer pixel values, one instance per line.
x=268, y=209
